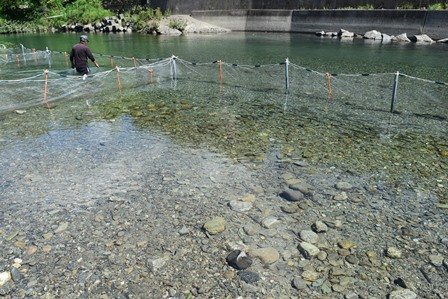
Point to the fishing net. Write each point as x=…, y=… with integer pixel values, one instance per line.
x=386, y=102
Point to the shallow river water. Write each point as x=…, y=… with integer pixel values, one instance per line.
x=105, y=191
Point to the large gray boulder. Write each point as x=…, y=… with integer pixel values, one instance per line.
x=401, y=38
x=386, y=38
x=373, y=34
x=345, y=34
x=421, y=38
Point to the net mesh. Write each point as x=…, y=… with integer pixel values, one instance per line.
x=29, y=78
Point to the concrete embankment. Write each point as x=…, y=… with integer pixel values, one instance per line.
x=392, y=22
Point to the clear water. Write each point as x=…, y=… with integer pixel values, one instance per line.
x=249, y=117
x=321, y=54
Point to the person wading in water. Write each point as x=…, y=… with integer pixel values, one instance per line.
x=80, y=55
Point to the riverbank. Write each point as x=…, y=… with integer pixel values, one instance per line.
x=391, y=22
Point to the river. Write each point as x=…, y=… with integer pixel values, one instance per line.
x=323, y=54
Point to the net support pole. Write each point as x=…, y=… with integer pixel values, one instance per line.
x=330, y=90
x=173, y=68
x=286, y=75
x=394, y=92
x=118, y=79
x=220, y=72
x=49, y=57
x=23, y=54
x=46, y=89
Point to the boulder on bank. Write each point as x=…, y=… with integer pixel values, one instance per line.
x=109, y=24
x=421, y=38
x=184, y=24
x=401, y=38
x=172, y=25
x=373, y=34
x=386, y=38
x=345, y=34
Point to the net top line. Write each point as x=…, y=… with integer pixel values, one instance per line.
x=287, y=62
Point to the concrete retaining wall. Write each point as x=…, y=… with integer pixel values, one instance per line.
x=186, y=7
x=392, y=22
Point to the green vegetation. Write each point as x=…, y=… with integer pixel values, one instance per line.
x=41, y=15
x=144, y=17
x=361, y=7
x=438, y=6
x=177, y=24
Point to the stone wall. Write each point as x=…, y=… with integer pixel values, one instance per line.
x=186, y=7
x=392, y=22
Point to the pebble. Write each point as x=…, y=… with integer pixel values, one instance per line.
x=319, y=227
x=62, y=227
x=346, y=244
x=290, y=209
x=251, y=229
x=248, y=276
x=402, y=294
x=267, y=255
x=292, y=195
x=299, y=283
x=309, y=236
x=343, y=186
x=15, y=274
x=240, y=206
x=270, y=222
x=340, y=196
x=351, y=295
x=310, y=275
x=303, y=187
x=352, y=259
x=215, y=226
x=157, y=264
x=4, y=277
x=31, y=249
x=184, y=231
x=239, y=260
x=436, y=259
x=393, y=253
x=322, y=255
x=308, y=250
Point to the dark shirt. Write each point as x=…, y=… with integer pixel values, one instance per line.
x=79, y=55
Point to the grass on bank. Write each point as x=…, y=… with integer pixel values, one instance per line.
x=54, y=14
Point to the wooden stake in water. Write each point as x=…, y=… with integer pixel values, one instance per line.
x=287, y=76
x=46, y=89
x=394, y=92
x=173, y=68
x=150, y=73
x=330, y=91
x=220, y=72
x=48, y=52
x=23, y=54
x=118, y=79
